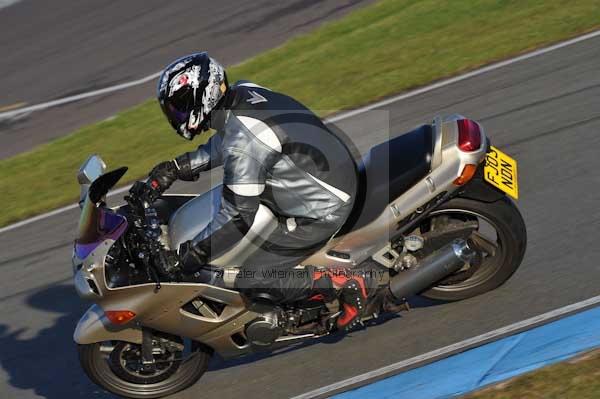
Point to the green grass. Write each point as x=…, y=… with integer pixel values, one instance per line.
x=391, y=46
x=576, y=379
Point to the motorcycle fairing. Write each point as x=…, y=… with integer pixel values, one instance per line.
x=162, y=309
x=95, y=327
x=96, y=225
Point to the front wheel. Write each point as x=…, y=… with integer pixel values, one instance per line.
x=500, y=231
x=117, y=367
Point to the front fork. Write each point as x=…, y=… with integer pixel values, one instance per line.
x=147, y=345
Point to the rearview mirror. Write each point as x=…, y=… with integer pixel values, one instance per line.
x=91, y=169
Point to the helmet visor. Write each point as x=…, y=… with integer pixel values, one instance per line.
x=176, y=116
x=179, y=106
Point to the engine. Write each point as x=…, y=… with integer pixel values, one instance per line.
x=264, y=330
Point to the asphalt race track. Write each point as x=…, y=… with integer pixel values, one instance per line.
x=65, y=47
x=543, y=111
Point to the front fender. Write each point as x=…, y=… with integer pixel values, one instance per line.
x=95, y=327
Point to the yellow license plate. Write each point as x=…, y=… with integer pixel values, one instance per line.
x=501, y=172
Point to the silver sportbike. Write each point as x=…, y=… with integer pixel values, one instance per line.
x=432, y=217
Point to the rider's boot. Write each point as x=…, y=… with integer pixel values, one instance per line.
x=352, y=291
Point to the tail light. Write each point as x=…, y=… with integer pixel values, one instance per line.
x=469, y=135
x=119, y=316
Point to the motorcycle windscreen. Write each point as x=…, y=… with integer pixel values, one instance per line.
x=96, y=225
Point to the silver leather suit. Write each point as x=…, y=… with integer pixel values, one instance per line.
x=276, y=152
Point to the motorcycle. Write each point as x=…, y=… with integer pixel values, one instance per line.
x=432, y=217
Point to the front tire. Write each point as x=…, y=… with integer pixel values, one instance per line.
x=104, y=369
x=506, y=219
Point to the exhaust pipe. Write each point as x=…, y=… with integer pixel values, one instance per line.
x=435, y=267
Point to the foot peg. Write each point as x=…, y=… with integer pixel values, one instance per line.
x=390, y=306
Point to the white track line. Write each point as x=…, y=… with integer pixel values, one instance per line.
x=450, y=349
x=333, y=119
x=6, y=3
x=77, y=97
x=345, y=115
x=467, y=75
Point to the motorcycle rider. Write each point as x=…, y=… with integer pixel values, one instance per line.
x=274, y=152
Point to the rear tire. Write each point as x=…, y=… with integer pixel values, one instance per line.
x=504, y=216
x=100, y=370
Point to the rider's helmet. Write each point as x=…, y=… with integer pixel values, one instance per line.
x=188, y=90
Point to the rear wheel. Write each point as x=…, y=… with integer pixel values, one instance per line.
x=117, y=367
x=500, y=234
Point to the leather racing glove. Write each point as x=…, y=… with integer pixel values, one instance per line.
x=187, y=260
x=168, y=264
x=163, y=175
